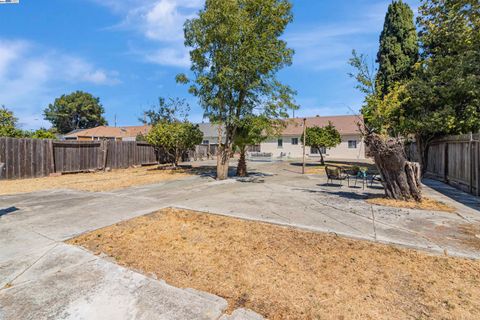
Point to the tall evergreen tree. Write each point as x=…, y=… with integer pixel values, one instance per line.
x=398, y=47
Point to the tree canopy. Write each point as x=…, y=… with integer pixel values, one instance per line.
x=236, y=51
x=43, y=133
x=78, y=110
x=175, y=138
x=8, y=124
x=444, y=96
x=253, y=130
x=168, y=110
x=322, y=137
x=398, y=50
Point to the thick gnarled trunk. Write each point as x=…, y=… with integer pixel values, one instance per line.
x=400, y=177
x=242, y=163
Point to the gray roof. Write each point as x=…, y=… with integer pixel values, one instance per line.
x=209, y=130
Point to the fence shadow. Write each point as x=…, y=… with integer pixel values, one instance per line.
x=464, y=198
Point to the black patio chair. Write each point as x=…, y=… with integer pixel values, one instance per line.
x=336, y=173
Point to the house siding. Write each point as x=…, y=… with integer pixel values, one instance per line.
x=342, y=151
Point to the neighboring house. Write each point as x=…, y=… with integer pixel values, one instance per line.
x=289, y=144
x=107, y=133
x=210, y=133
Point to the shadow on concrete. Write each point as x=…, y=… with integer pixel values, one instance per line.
x=464, y=198
x=342, y=194
x=4, y=212
x=308, y=164
x=209, y=171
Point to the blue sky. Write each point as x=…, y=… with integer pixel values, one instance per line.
x=128, y=53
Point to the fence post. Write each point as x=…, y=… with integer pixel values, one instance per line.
x=51, y=149
x=478, y=168
x=104, y=150
x=472, y=161
x=445, y=163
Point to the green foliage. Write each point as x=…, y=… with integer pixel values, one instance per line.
x=8, y=124
x=173, y=109
x=43, y=133
x=365, y=74
x=254, y=130
x=78, y=110
x=398, y=50
x=444, y=97
x=236, y=52
x=175, y=138
x=322, y=137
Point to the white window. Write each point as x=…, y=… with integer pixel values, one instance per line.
x=318, y=150
x=295, y=141
x=280, y=143
x=352, y=144
x=206, y=142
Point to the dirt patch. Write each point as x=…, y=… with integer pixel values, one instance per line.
x=285, y=273
x=471, y=235
x=426, y=204
x=94, y=182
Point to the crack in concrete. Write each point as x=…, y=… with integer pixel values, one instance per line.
x=9, y=284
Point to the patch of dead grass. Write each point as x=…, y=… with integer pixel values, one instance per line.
x=426, y=204
x=93, y=182
x=285, y=273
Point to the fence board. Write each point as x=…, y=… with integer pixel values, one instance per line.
x=456, y=161
x=29, y=158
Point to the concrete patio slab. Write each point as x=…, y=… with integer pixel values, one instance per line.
x=43, y=278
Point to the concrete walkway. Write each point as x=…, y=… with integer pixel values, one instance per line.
x=43, y=278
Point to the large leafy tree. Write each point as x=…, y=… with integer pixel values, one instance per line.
x=444, y=96
x=78, y=110
x=8, y=124
x=253, y=130
x=322, y=137
x=236, y=51
x=168, y=110
x=174, y=138
x=398, y=50
x=397, y=55
x=384, y=108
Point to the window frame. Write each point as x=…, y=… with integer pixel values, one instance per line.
x=352, y=144
x=295, y=141
x=280, y=143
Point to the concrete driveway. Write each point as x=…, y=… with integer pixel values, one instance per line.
x=43, y=278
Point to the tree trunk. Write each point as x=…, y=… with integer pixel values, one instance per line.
x=400, y=177
x=322, y=161
x=223, y=158
x=242, y=163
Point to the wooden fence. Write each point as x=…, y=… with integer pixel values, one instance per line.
x=30, y=158
x=456, y=161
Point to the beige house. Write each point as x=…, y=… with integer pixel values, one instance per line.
x=289, y=144
x=107, y=133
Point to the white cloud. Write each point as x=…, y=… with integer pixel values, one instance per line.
x=169, y=56
x=328, y=46
x=31, y=77
x=159, y=21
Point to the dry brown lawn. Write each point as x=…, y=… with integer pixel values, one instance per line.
x=94, y=182
x=285, y=273
x=425, y=204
